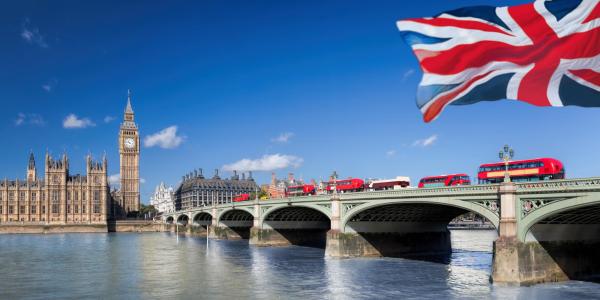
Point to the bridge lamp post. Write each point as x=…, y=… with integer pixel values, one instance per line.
x=506, y=154
x=334, y=178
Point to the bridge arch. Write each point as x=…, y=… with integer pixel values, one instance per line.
x=183, y=219
x=576, y=210
x=202, y=218
x=235, y=215
x=236, y=223
x=459, y=207
x=302, y=225
x=288, y=211
x=169, y=220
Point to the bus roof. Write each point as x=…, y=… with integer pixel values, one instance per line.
x=443, y=176
x=522, y=161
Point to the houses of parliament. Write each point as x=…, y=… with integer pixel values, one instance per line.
x=60, y=197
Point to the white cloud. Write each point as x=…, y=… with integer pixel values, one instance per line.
x=166, y=138
x=114, y=179
x=29, y=119
x=32, y=35
x=108, y=119
x=49, y=86
x=283, y=138
x=72, y=121
x=390, y=153
x=407, y=74
x=266, y=163
x=426, y=142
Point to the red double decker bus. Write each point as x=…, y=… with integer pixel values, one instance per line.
x=300, y=190
x=241, y=197
x=444, y=180
x=522, y=170
x=346, y=185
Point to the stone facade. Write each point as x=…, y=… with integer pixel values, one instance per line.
x=195, y=190
x=59, y=197
x=163, y=199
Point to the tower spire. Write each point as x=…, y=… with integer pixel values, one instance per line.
x=128, y=109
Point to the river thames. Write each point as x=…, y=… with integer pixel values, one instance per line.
x=163, y=266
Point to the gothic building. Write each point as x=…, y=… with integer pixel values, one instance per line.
x=163, y=199
x=62, y=198
x=58, y=197
x=195, y=190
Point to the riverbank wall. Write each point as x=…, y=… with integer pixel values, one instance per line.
x=110, y=226
x=52, y=228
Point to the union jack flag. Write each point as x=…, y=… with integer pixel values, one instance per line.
x=546, y=53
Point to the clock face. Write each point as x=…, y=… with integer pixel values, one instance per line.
x=129, y=143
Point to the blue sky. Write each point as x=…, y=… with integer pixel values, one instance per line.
x=326, y=85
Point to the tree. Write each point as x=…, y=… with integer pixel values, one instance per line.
x=148, y=210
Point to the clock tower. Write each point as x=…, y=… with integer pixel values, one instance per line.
x=129, y=152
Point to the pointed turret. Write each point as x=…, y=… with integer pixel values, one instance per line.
x=31, y=172
x=31, y=165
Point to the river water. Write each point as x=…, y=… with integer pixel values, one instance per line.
x=164, y=266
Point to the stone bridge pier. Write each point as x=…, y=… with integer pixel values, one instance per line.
x=545, y=239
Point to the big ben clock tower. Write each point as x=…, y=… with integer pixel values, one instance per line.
x=129, y=152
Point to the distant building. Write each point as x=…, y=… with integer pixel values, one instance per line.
x=163, y=199
x=278, y=186
x=196, y=190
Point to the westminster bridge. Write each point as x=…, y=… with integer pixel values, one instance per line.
x=547, y=231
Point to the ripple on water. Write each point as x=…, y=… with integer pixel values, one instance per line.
x=162, y=266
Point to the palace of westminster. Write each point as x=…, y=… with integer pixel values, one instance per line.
x=62, y=198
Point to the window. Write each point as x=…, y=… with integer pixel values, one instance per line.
x=0, y=209
x=96, y=202
x=21, y=196
x=11, y=197
x=33, y=209
x=55, y=202
x=1, y=196
x=11, y=209
x=76, y=208
x=43, y=210
x=33, y=196
x=83, y=208
x=22, y=209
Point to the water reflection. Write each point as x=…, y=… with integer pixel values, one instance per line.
x=156, y=266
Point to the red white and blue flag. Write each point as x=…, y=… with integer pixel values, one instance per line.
x=546, y=53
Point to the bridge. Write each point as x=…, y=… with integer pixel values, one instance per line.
x=547, y=231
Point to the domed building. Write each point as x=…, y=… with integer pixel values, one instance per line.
x=195, y=190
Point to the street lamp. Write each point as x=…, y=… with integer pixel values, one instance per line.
x=334, y=179
x=506, y=154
